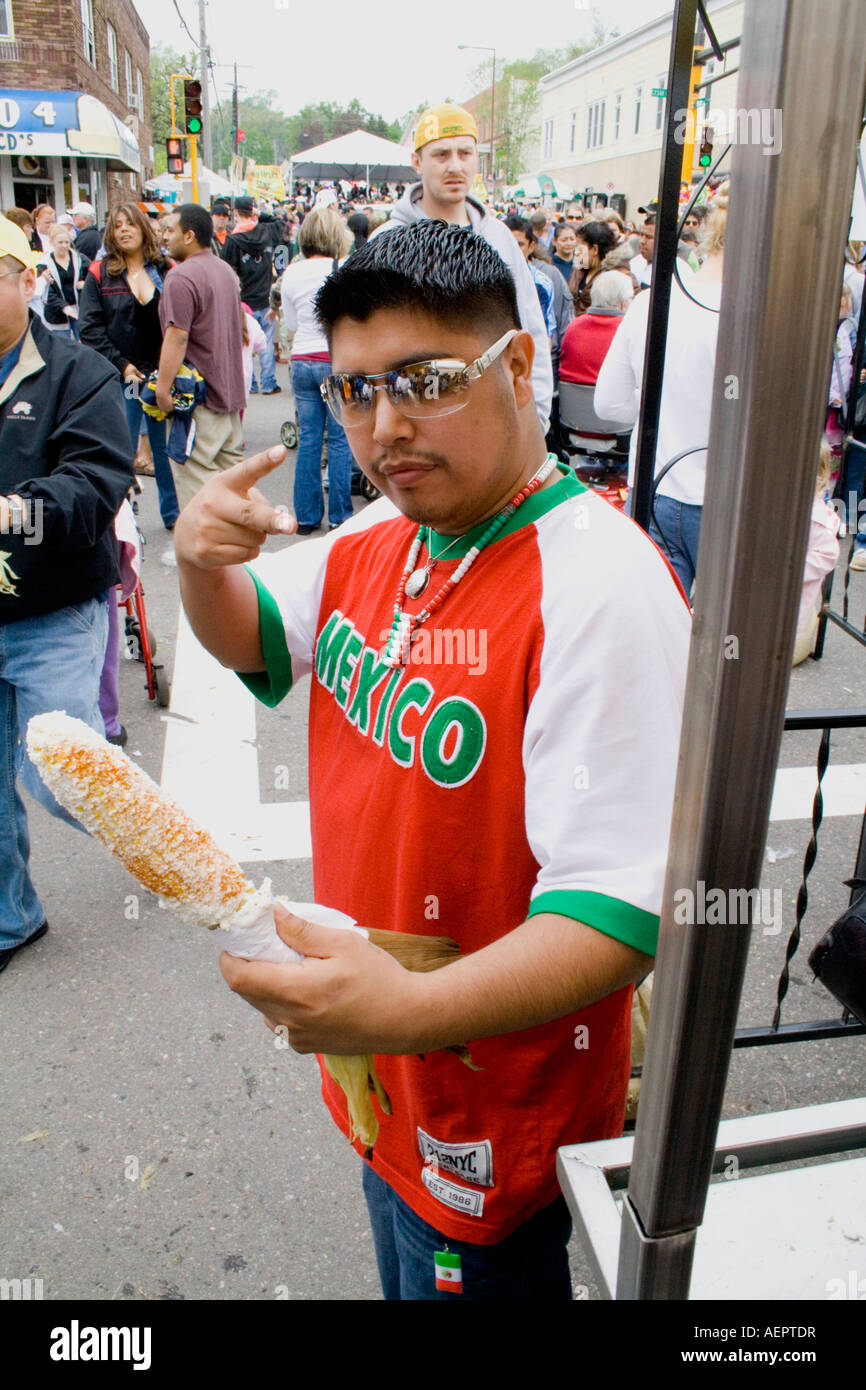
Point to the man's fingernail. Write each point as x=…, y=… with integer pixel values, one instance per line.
x=276, y=453
x=283, y=522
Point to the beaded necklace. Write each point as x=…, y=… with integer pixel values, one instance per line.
x=413, y=582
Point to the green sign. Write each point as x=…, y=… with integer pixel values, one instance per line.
x=660, y=91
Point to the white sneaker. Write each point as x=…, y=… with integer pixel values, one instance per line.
x=858, y=559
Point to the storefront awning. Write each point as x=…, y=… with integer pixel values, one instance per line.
x=64, y=123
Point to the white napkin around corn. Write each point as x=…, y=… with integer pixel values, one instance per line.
x=252, y=931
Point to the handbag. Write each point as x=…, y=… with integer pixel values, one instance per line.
x=839, y=959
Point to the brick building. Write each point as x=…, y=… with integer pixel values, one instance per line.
x=75, y=121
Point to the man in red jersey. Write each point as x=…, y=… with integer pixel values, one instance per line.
x=519, y=804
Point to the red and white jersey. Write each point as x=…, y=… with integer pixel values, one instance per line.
x=523, y=761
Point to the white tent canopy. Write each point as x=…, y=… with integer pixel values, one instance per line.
x=535, y=186
x=173, y=183
x=358, y=155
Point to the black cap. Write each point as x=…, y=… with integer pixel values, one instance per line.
x=221, y=208
x=244, y=203
x=651, y=208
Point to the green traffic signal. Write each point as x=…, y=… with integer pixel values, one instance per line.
x=192, y=106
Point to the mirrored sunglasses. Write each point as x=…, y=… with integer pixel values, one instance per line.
x=421, y=390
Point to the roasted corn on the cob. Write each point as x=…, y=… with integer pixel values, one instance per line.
x=119, y=804
x=169, y=853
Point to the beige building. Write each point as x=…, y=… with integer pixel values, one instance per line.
x=602, y=125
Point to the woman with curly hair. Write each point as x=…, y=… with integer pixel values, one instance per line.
x=119, y=317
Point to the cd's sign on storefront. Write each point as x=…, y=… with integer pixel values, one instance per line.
x=64, y=123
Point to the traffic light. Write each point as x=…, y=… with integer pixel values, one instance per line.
x=192, y=106
x=174, y=154
x=705, y=158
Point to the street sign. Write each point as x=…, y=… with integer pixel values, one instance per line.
x=660, y=91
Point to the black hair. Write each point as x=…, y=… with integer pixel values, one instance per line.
x=599, y=234
x=359, y=226
x=515, y=223
x=430, y=267
x=196, y=219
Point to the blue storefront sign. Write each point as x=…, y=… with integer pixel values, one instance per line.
x=64, y=123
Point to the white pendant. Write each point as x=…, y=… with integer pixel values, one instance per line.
x=416, y=583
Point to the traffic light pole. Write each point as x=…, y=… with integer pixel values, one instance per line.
x=193, y=165
x=204, y=52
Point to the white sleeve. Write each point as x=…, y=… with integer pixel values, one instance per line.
x=289, y=585
x=289, y=312
x=617, y=391
x=602, y=730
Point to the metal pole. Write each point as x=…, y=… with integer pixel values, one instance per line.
x=193, y=166
x=679, y=85
x=204, y=55
x=769, y=403
x=692, y=116
x=235, y=116
x=493, y=131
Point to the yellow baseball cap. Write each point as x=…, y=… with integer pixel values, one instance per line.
x=13, y=242
x=443, y=122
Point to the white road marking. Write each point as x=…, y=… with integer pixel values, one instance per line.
x=210, y=764
x=843, y=790
x=210, y=767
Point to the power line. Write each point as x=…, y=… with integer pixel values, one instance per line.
x=185, y=25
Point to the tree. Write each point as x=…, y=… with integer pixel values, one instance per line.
x=518, y=97
x=163, y=62
x=327, y=120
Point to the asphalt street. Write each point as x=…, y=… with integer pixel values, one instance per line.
x=155, y=1143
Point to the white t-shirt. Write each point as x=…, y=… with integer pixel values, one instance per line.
x=690, y=362
x=300, y=284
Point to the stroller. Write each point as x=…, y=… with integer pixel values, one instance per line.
x=139, y=640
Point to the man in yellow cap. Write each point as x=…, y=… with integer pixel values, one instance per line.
x=65, y=467
x=446, y=160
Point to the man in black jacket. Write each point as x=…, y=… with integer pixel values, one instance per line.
x=65, y=467
x=89, y=238
x=249, y=250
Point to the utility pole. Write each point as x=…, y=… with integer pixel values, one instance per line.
x=235, y=118
x=204, y=55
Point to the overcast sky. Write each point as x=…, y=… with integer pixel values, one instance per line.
x=389, y=55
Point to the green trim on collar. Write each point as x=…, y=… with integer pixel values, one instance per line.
x=631, y=925
x=534, y=507
x=274, y=683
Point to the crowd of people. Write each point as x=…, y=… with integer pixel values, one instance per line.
x=430, y=339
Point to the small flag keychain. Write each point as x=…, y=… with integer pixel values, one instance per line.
x=449, y=1272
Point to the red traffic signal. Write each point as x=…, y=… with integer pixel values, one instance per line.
x=192, y=106
x=174, y=155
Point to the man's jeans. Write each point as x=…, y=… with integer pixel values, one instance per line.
x=46, y=663
x=267, y=360
x=168, y=507
x=676, y=530
x=530, y=1264
x=309, y=501
x=854, y=497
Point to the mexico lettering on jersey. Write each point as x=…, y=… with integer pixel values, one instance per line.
x=522, y=762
